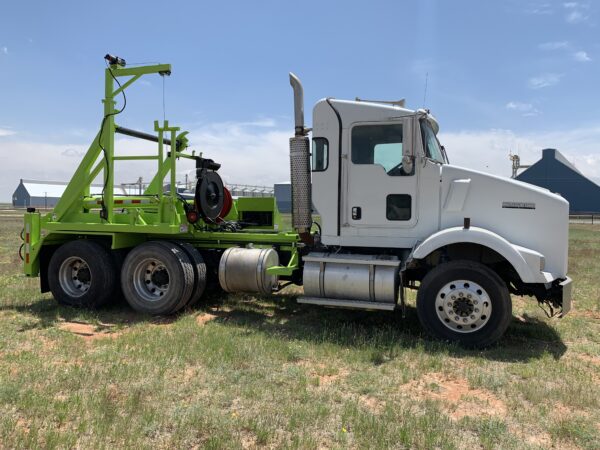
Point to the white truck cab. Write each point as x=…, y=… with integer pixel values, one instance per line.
x=386, y=191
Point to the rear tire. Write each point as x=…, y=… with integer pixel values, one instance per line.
x=464, y=302
x=157, y=278
x=82, y=273
x=199, y=272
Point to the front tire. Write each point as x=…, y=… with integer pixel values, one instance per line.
x=464, y=302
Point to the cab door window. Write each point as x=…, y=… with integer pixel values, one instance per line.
x=379, y=144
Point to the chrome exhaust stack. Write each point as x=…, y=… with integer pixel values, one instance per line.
x=300, y=167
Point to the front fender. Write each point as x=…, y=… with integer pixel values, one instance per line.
x=526, y=262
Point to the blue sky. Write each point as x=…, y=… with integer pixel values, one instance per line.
x=511, y=75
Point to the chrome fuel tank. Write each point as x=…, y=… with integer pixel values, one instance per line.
x=371, y=278
x=245, y=270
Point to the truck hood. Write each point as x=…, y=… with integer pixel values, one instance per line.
x=523, y=214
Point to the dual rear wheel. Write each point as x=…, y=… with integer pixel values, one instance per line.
x=156, y=277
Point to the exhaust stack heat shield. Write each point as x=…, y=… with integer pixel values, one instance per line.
x=301, y=184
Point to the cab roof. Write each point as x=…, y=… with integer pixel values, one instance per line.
x=370, y=111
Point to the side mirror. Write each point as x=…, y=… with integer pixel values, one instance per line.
x=408, y=164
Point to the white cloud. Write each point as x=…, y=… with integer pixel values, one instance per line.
x=526, y=109
x=6, y=132
x=576, y=12
x=254, y=152
x=540, y=9
x=72, y=153
x=259, y=155
x=581, y=56
x=575, y=17
x=544, y=80
x=557, y=45
x=4, y=50
x=488, y=149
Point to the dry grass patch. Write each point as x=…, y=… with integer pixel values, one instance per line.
x=323, y=374
x=457, y=397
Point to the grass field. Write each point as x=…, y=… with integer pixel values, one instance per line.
x=242, y=372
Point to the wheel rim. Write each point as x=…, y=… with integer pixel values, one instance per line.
x=74, y=276
x=151, y=279
x=463, y=306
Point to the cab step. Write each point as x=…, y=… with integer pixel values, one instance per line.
x=341, y=303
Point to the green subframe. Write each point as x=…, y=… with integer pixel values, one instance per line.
x=130, y=222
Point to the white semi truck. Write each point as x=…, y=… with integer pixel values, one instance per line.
x=395, y=214
x=390, y=201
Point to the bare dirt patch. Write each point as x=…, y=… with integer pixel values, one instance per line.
x=595, y=315
x=248, y=439
x=588, y=358
x=458, y=398
x=202, y=319
x=324, y=374
x=87, y=331
x=23, y=425
x=540, y=439
x=371, y=404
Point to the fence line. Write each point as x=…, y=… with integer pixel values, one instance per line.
x=593, y=219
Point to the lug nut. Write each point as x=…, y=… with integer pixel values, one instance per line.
x=453, y=297
x=476, y=309
x=475, y=302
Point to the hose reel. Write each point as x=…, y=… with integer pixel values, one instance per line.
x=212, y=200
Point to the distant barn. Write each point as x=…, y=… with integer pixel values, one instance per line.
x=39, y=194
x=556, y=174
x=44, y=194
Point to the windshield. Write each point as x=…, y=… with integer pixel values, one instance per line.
x=431, y=145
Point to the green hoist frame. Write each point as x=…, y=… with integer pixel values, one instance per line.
x=129, y=220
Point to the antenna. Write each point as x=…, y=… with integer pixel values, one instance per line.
x=425, y=90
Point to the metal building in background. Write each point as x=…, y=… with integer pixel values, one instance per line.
x=45, y=194
x=283, y=196
x=555, y=173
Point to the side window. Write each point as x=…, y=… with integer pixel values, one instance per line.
x=398, y=207
x=320, y=154
x=379, y=144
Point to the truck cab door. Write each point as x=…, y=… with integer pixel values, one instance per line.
x=381, y=180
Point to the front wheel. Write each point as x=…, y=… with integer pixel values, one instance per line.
x=464, y=302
